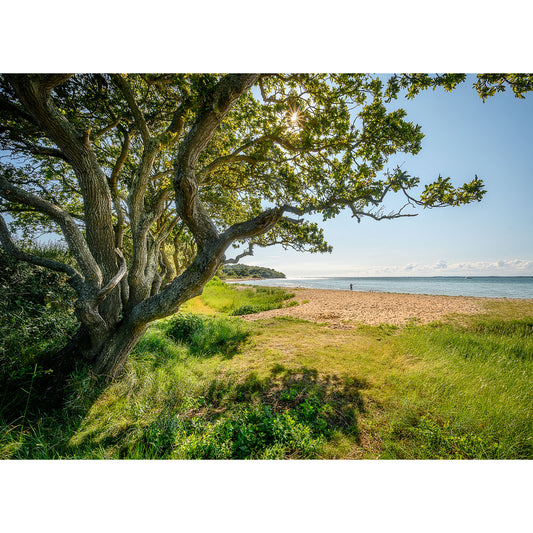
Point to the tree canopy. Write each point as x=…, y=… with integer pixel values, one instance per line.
x=152, y=178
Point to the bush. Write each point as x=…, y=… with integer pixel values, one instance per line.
x=36, y=319
x=253, y=433
x=247, y=309
x=208, y=335
x=242, y=301
x=183, y=326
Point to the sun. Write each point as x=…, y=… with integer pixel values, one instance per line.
x=295, y=117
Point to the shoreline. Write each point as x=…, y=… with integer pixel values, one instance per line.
x=237, y=280
x=345, y=308
x=343, y=290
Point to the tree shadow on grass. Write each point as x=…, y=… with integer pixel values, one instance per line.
x=326, y=404
x=286, y=414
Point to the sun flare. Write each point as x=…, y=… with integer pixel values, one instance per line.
x=294, y=117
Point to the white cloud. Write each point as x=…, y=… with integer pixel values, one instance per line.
x=509, y=267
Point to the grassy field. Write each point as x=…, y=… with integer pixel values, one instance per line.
x=206, y=384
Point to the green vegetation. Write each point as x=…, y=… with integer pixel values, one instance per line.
x=247, y=271
x=210, y=385
x=241, y=300
x=35, y=322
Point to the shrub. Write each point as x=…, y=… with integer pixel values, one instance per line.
x=242, y=301
x=247, y=309
x=252, y=433
x=208, y=335
x=183, y=326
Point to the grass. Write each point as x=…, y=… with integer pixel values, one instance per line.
x=240, y=300
x=209, y=385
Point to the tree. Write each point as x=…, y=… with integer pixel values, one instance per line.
x=150, y=179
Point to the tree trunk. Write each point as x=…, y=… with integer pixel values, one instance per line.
x=112, y=356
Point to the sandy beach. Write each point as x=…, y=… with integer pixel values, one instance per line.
x=346, y=308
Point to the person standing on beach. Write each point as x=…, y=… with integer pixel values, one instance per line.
x=351, y=287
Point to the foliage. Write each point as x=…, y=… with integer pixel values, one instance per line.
x=474, y=386
x=35, y=320
x=438, y=441
x=252, y=433
x=454, y=390
x=208, y=336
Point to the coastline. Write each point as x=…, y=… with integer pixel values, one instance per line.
x=237, y=280
x=490, y=287
x=344, y=308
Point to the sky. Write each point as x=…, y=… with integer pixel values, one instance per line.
x=463, y=137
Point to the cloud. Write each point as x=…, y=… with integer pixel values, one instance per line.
x=502, y=267
x=509, y=267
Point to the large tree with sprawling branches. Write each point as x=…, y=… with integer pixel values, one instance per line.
x=150, y=179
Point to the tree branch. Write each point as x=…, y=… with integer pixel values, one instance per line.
x=48, y=82
x=236, y=259
x=115, y=280
x=43, y=150
x=214, y=109
x=33, y=92
x=138, y=115
x=72, y=234
x=250, y=228
x=75, y=278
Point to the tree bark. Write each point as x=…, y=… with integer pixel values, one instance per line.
x=111, y=359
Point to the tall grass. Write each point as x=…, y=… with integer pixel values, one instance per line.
x=470, y=392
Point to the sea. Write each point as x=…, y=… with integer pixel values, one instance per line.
x=484, y=286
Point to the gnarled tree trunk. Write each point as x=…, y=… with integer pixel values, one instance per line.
x=111, y=359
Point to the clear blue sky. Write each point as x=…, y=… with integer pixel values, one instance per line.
x=463, y=137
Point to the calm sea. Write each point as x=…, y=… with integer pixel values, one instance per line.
x=493, y=287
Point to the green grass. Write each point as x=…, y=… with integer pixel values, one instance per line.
x=211, y=386
x=242, y=300
x=469, y=393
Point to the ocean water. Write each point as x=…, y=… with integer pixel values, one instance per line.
x=492, y=287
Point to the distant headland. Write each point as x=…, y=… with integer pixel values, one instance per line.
x=248, y=272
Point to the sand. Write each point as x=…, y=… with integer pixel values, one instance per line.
x=347, y=308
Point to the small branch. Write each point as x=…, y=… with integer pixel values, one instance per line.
x=357, y=213
x=251, y=228
x=103, y=131
x=73, y=235
x=175, y=127
x=160, y=175
x=127, y=91
x=250, y=251
x=120, y=161
x=292, y=220
x=43, y=150
x=115, y=280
